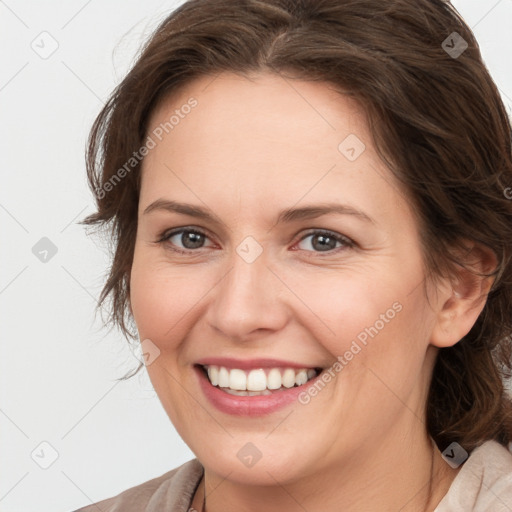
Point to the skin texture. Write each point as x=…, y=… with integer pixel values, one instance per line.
x=249, y=149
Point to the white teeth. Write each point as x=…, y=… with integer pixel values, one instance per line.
x=257, y=393
x=274, y=379
x=213, y=375
x=289, y=378
x=247, y=393
x=237, y=380
x=223, y=378
x=301, y=377
x=258, y=381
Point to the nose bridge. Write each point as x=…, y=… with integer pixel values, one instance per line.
x=246, y=298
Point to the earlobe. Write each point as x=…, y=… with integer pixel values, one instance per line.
x=464, y=297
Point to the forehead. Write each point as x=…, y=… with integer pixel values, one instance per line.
x=265, y=104
x=262, y=138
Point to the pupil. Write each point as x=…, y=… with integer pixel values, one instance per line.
x=324, y=245
x=191, y=240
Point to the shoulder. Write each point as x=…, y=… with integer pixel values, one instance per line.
x=484, y=483
x=171, y=491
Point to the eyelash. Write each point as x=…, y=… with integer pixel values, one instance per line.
x=347, y=242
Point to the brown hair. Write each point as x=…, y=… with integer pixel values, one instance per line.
x=437, y=121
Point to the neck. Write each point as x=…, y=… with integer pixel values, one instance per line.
x=413, y=477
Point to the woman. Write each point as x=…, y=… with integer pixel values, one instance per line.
x=313, y=239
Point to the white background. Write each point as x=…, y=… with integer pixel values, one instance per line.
x=57, y=367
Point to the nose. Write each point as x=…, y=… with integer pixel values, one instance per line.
x=249, y=300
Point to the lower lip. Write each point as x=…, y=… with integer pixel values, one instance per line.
x=259, y=405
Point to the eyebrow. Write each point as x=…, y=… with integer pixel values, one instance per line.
x=287, y=215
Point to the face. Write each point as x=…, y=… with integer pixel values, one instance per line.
x=271, y=238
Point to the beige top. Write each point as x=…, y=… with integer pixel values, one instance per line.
x=484, y=484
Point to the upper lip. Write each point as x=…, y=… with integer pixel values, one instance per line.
x=249, y=364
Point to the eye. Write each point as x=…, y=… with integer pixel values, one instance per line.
x=325, y=241
x=189, y=238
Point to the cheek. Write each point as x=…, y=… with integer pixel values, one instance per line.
x=384, y=356
x=166, y=300
x=343, y=305
x=368, y=319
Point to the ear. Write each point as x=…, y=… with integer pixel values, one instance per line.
x=462, y=297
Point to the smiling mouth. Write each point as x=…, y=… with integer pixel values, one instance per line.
x=259, y=381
